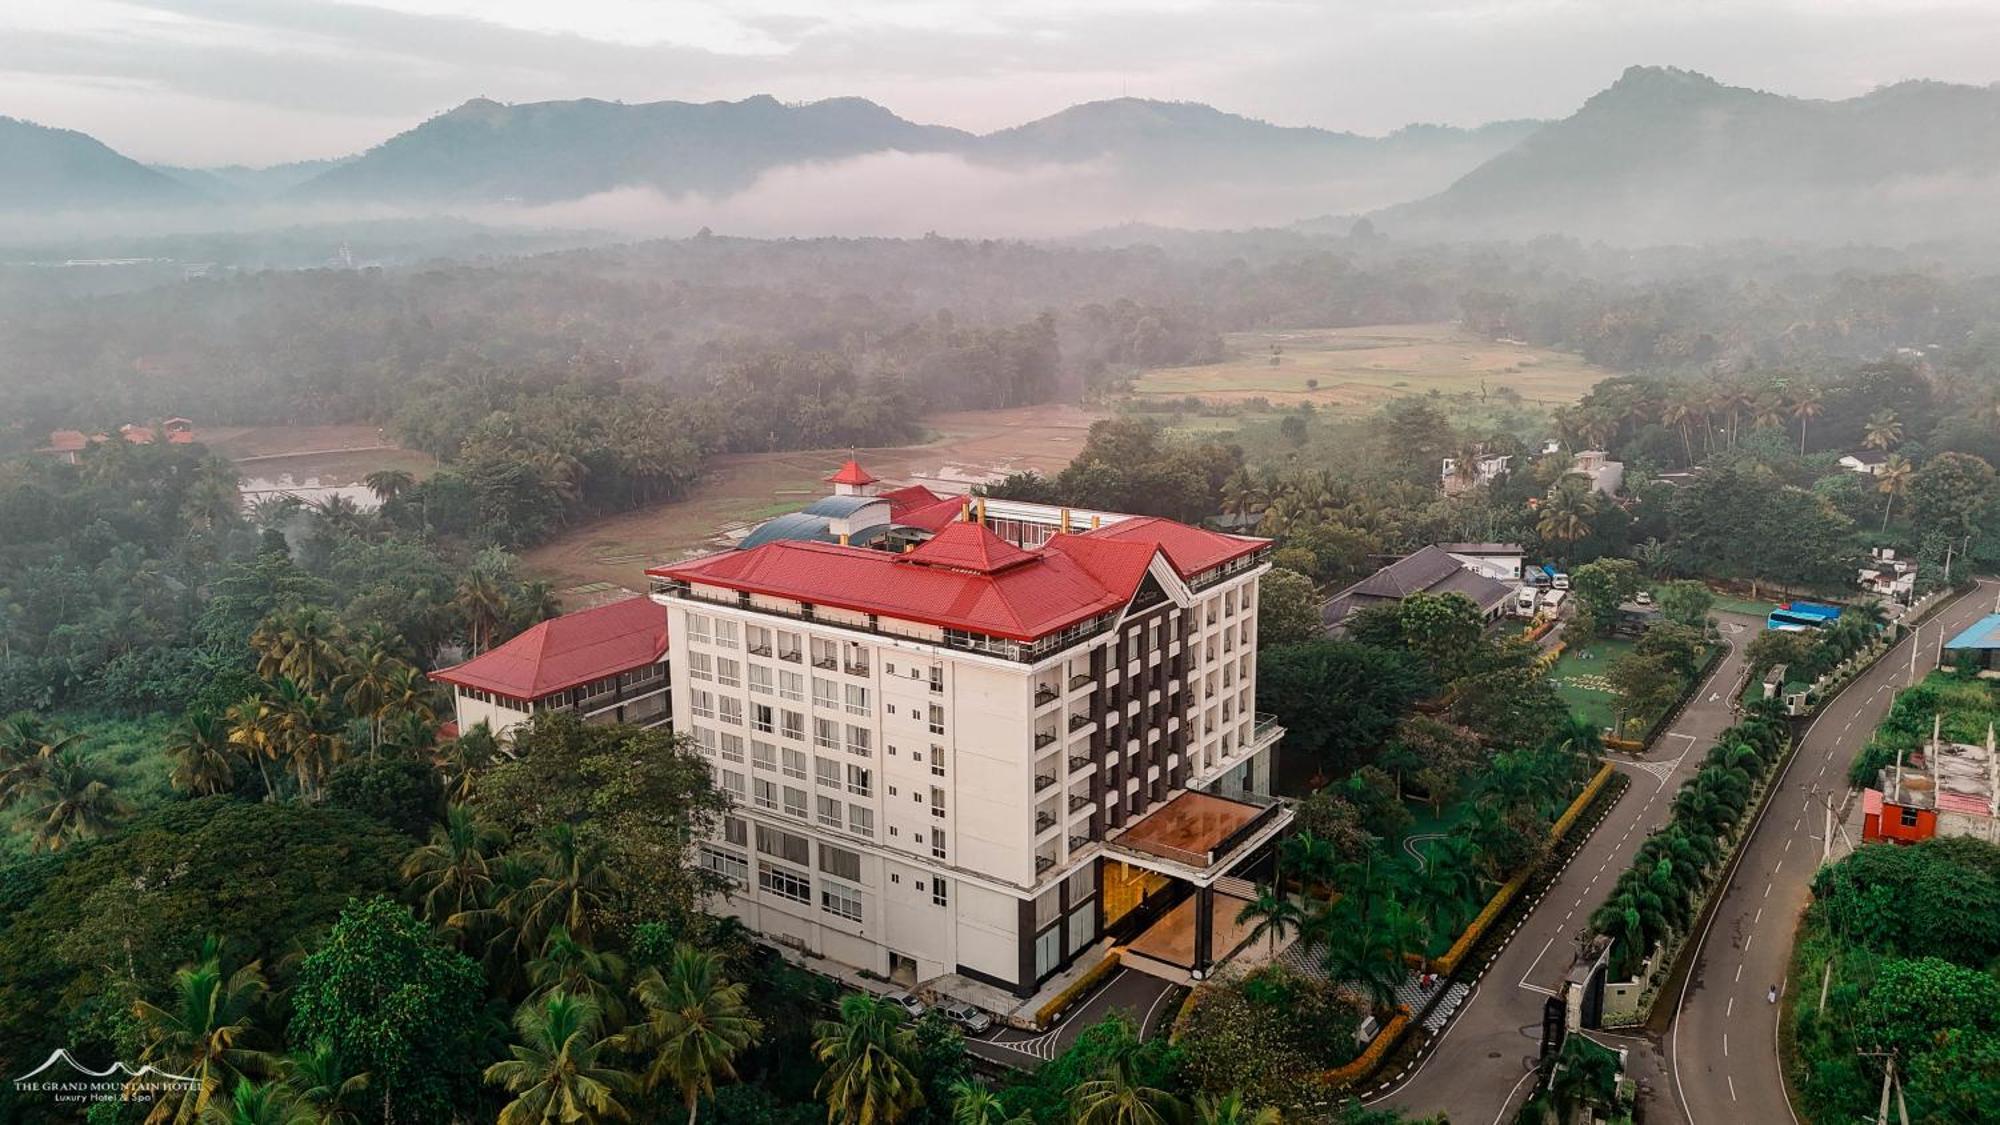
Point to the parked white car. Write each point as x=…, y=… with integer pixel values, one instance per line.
x=968, y=1017
x=1560, y=582
x=912, y=1007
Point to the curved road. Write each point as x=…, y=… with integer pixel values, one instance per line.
x=1723, y=1044
x=1483, y=1062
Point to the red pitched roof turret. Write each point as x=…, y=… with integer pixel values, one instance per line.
x=851, y=473
x=565, y=651
x=968, y=546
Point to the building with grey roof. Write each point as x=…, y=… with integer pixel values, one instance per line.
x=1432, y=570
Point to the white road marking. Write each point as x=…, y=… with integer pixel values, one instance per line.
x=1732, y=1086
x=1725, y=1044
x=1731, y=1009
x=1739, y=973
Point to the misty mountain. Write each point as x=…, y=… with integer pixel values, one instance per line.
x=1666, y=155
x=543, y=152
x=237, y=183
x=44, y=169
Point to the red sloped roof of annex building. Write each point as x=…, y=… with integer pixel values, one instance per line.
x=565, y=651
x=970, y=579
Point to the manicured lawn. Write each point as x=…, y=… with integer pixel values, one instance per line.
x=1744, y=606
x=1579, y=679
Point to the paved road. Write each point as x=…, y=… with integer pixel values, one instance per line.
x=1480, y=1068
x=1723, y=1043
x=1149, y=1001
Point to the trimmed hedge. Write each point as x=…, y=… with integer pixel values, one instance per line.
x=1364, y=1064
x=1062, y=1000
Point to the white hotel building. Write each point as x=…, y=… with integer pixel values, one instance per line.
x=990, y=738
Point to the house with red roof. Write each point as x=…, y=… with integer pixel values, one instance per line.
x=607, y=664
x=972, y=741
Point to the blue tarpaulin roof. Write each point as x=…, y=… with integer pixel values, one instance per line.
x=1984, y=634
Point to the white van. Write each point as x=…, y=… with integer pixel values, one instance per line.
x=1552, y=602
x=1525, y=601
x=1560, y=582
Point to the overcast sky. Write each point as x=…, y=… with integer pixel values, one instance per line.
x=258, y=81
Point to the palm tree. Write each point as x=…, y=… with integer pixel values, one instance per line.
x=696, y=1024
x=322, y=1082
x=204, y=761
x=1313, y=858
x=1567, y=512
x=453, y=874
x=1118, y=1097
x=1359, y=953
x=482, y=605
x=213, y=499
x=1229, y=1109
x=27, y=746
x=568, y=965
x=973, y=1104
x=569, y=889
x=1892, y=481
x=258, y=1103
x=1882, y=430
x=558, y=1072
x=302, y=645
x=70, y=800
x=1768, y=411
x=366, y=682
x=387, y=484
x=305, y=735
x=868, y=1055
x=463, y=759
x=204, y=1033
x=1808, y=402
x=1275, y=914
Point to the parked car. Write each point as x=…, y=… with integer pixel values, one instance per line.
x=1643, y=597
x=912, y=1007
x=1559, y=582
x=968, y=1017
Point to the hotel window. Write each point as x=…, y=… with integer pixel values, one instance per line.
x=861, y=781
x=859, y=741
x=937, y=719
x=937, y=801
x=788, y=846
x=703, y=704
x=940, y=895
x=792, y=686
x=732, y=747
x=845, y=902
x=701, y=666
x=732, y=783
x=705, y=738
x=1048, y=952
x=840, y=863
x=760, y=680
x=857, y=699
x=783, y=883
x=730, y=710
x=937, y=761
x=829, y=812
x=793, y=725
x=825, y=653
x=861, y=820
x=826, y=693
x=728, y=672
x=794, y=763
x=856, y=659
x=734, y=868
x=1082, y=882
x=826, y=772
x=826, y=733
x=726, y=632
x=937, y=679
x=760, y=717
x=763, y=755
x=763, y=794
x=937, y=843
x=788, y=646
x=736, y=830
x=795, y=802
x=759, y=639
x=698, y=627
x=1048, y=907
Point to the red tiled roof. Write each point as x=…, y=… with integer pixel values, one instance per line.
x=908, y=498
x=1047, y=591
x=565, y=651
x=66, y=441
x=931, y=517
x=851, y=473
x=180, y=437
x=971, y=547
x=1191, y=549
